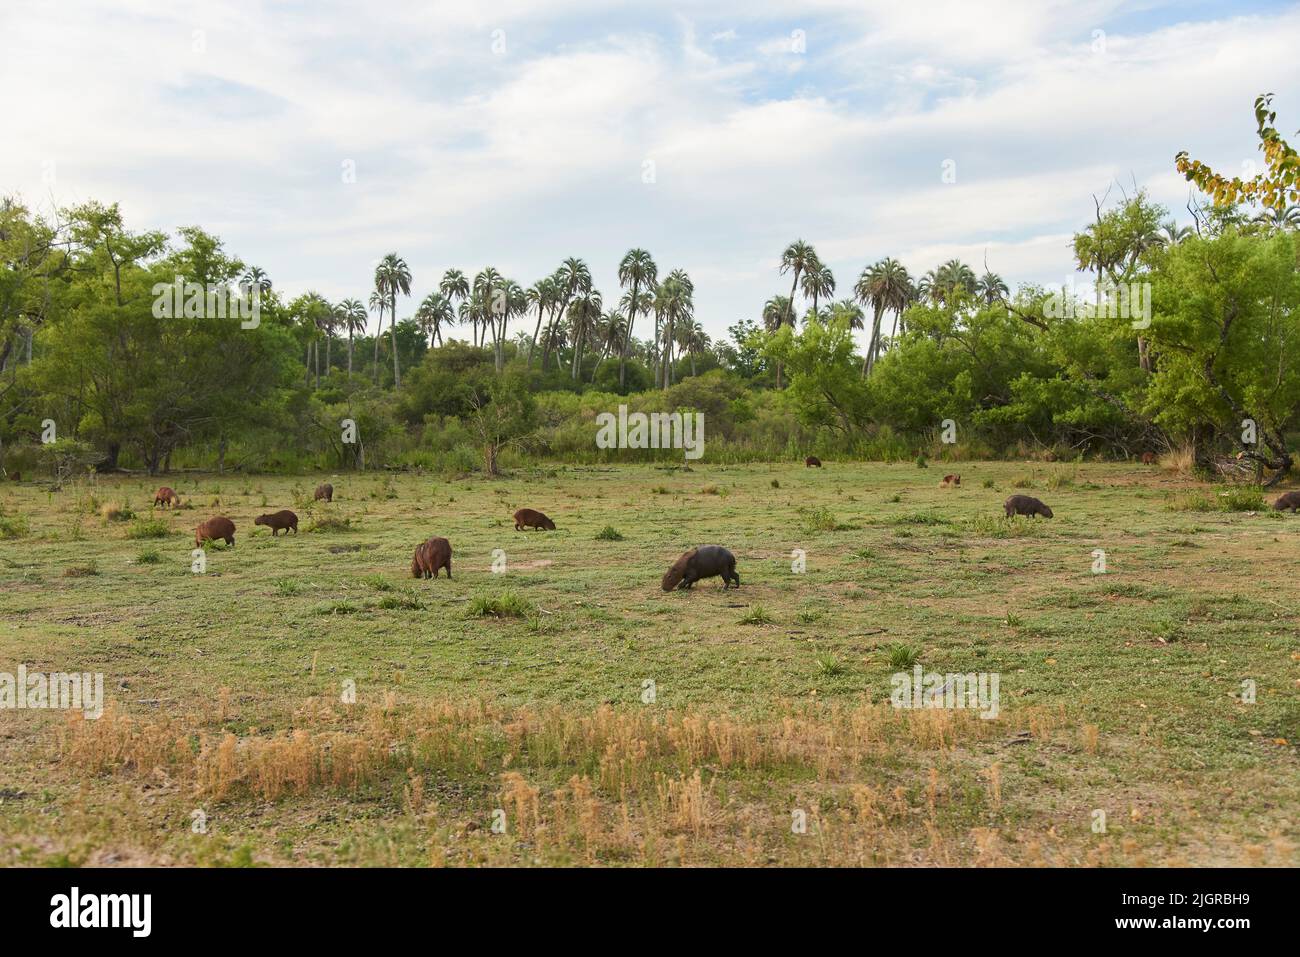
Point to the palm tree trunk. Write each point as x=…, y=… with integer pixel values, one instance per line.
x=870, y=360
x=536, y=329
x=627, y=337
x=790, y=309
x=349, y=355
x=392, y=330
x=379, y=334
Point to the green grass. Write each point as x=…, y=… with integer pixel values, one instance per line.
x=1151, y=655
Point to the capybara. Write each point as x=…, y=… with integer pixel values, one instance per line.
x=17, y=477
x=1291, y=500
x=214, y=528
x=812, y=462
x=531, y=518
x=280, y=521
x=325, y=491
x=1148, y=458
x=950, y=480
x=1026, y=505
x=705, y=561
x=166, y=496
x=430, y=556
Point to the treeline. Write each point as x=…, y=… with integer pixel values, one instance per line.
x=1188, y=339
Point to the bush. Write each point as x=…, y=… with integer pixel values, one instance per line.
x=149, y=528
x=609, y=534
x=505, y=605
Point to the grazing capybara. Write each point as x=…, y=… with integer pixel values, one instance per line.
x=280, y=521
x=1026, y=505
x=166, y=496
x=213, y=529
x=950, y=480
x=812, y=462
x=1291, y=500
x=704, y=561
x=1148, y=458
x=16, y=477
x=531, y=518
x=325, y=491
x=430, y=556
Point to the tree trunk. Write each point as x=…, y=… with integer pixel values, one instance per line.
x=349, y=355
x=627, y=339
x=392, y=329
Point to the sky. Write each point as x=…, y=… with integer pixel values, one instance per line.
x=314, y=137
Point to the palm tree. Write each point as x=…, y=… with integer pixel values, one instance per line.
x=991, y=288
x=1278, y=217
x=329, y=321
x=352, y=315
x=883, y=286
x=434, y=312
x=798, y=258
x=489, y=297
x=638, y=269
x=378, y=303
x=848, y=312
x=454, y=286
x=775, y=311
x=545, y=296
x=583, y=314
x=1171, y=234
x=817, y=282
x=393, y=276
x=954, y=279
x=256, y=276
x=613, y=329
x=573, y=279
x=674, y=301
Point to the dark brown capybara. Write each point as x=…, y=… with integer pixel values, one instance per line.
x=812, y=462
x=213, y=529
x=1291, y=500
x=531, y=518
x=1026, y=505
x=166, y=496
x=430, y=556
x=325, y=491
x=950, y=480
x=704, y=561
x=1148, y=458
x=16, y=477
x=280, y=521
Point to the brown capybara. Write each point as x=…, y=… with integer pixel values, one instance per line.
x=531, y=518
x=812, y=462
x=280, y=521
x=950, y=480
x=166, y=496
x=704, y=561
x=16, y=477
x=430, y=556
x=1148, y=458
x=325, y=491
x=213, y=529
x=1026, y=505
x=1291, y=500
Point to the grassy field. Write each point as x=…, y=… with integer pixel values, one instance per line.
x=568, y=711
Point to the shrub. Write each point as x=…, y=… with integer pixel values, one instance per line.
x=609, y=534
x=149, y=528
x=150, y=556
x=505, y=605
x=902, y=656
